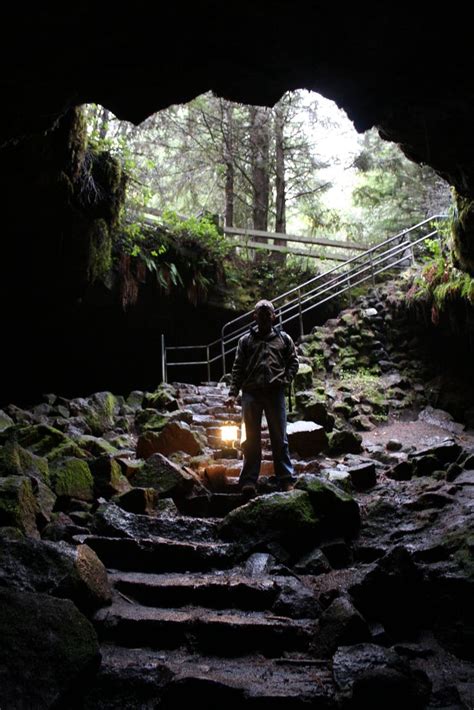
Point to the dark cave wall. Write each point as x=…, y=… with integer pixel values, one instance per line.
x=410, y=75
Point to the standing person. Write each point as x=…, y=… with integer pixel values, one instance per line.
x=265, y=363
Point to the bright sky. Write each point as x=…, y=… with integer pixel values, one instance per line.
x=338, y=144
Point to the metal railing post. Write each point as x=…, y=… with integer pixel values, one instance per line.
x=163, y=359
x=208, y=364
x=300, y=313
x=372, y=270
x=223, y=355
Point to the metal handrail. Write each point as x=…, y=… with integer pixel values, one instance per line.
x=353, y=272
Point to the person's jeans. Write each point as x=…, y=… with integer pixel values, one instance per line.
x=272, y=402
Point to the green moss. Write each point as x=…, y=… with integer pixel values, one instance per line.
x=73, y=478
x=5, y=420
x=304, y=377
x=366, y=384
x=463, y=233
x=100, y=251
x=96, y=446
x=149, y=420
x=108, y=477
x=15, y=460
x=46, y=441
x=343, y=442
x=18, y=505
x=162, y=398
x=284, y=515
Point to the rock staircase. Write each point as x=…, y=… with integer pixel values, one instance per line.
x=194, y=618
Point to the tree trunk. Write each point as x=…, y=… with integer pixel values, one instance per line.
x=280, y=186
x=229, y=165
x=104, y=124
x=260, y=143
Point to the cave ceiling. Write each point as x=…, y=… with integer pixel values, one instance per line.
x=405, y=69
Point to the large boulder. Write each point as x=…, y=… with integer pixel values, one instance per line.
x=149, y=419
x=336, y=510
x=101, y=413
x=340, y=625
x=108, y=477
x=5, y=420
x=177, y=436
x=304, y=377
x=72, y=478
x=55, y=568
x=391, y=592
x=288, y=517
x=165, y=477
x=313, y=407
x=18, y=461
x=163, y=398
x=344, y=442
x=49, y=651
x=18, y=506
x=306, y=438
x=44, y=440
x=372, y=677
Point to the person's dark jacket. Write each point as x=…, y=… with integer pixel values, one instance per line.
x=263, y=361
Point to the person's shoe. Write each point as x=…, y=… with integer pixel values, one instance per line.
x=249, y=491
x=289, y=486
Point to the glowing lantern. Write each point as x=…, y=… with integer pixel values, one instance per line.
x=229, y=433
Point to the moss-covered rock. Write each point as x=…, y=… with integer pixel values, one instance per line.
x=103, y=408
x=17, y=461
x=96, y=446
x=463, y=233
x=5, y=420
x=313, y=408
x=73, y=478
x=108, y=477
x=18, y=506
x=135, y=399
x=343, y=409
x=344, y=442
x=44, y=440
x=164, y=398
x=149, y=420
x=337, y=510
x=177, y=436
x=165, y=477
x=147, y=444
x=288, y=517
x=304, y=377
x=100, y=250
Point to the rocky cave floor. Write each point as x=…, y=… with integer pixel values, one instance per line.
x=353, y=590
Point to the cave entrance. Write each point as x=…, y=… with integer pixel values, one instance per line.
x=213, y=184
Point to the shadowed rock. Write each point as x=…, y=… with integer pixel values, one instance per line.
x=49, y=651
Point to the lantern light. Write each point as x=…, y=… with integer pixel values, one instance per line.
x=229, y=433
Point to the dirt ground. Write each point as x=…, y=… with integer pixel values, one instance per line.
x=416, y=433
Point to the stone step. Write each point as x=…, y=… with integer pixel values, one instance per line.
x=223, y=632
x=160, y=554
x=218, y=505
x=169, y=679
x=215, y=591
x=227, y=416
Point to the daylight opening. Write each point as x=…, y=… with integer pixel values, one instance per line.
x=291, y=190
